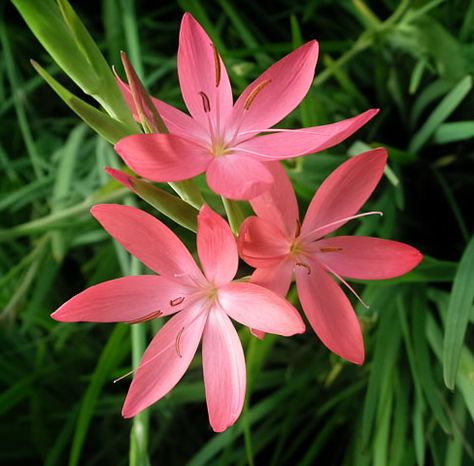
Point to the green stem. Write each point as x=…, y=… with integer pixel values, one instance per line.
x=138, y=453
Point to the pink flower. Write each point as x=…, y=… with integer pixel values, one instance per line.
x=277, y=245
x=219, y=137
x=202, y=304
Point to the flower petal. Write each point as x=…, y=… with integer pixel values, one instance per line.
x=259, y=308
x=177, y=122
x=150, y=241
x=261, y=243
x=224, y=370
x=217, y=248
x=126, y=299
x=294, y=143
x=276, y=278
x=165, y=361
x=276, y=92
x=237, y=176
x=367, y=258
x=202, y=71
x=329, y=312
x=278, y=205
x=344, y=192
x=163, y=157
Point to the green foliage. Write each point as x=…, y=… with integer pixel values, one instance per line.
x=411, y=403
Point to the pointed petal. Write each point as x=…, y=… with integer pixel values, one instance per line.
x=165, y=361
x=126, y=299
x=276, y=279
x=149, y=240
x=261, y=244
x=237, y=176
x=201, y=70
x=163, y=157
x=295, y=143
x=330, y=313
x=276, y=92
x=278, y=205
x=367, y=258
x=217, y=248
x=344, y=191
x=224, y=370
x=123, y=178
x=177, y=122
x=259, y=308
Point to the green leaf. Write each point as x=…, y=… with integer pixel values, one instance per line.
x=169, y=205
x=109, y=128
x=459, y=308
x=442, y=111
x=114, y=351
x=63, y=35
x=454, y=132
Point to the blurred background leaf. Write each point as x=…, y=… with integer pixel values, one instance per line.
x=412, y=59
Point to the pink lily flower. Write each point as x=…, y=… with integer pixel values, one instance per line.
x=202, y=304
x=279, y=246
x=220, y=138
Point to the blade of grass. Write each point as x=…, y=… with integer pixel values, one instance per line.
x=113, y=353
x=15, y=84
x=457, y=317
x=442, y=111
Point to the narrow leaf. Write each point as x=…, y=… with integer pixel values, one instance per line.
x=459, y=308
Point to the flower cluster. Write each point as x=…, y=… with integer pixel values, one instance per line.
x=223, y=139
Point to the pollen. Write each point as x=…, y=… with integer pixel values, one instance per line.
x=176, y=301
x=255, y=92
x=206, y=104
x=178, y=338
x=330, y=249
x=217, y=65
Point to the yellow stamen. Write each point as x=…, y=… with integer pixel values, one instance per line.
x=178, y=337
x=217, y=64
x=205, y=102
x=255, y=92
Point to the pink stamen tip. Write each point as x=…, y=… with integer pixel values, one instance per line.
x=176, y=301
x=148, y=317
x=306, y=266
x=329, y=249
x=258, y=88
x=178, y=338
x=347, y=285
x=217, y=65
x=206, y=104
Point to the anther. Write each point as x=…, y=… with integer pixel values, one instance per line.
x=205, y=102
x=148, y=317
x=217, y=65
x=306, y=266
x=176, y=301
x=330, y=249
x=255, y=92
x=178, y=338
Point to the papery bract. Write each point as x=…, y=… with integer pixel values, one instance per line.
x=278, y=246
x=202, y=304
x=221, y=138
